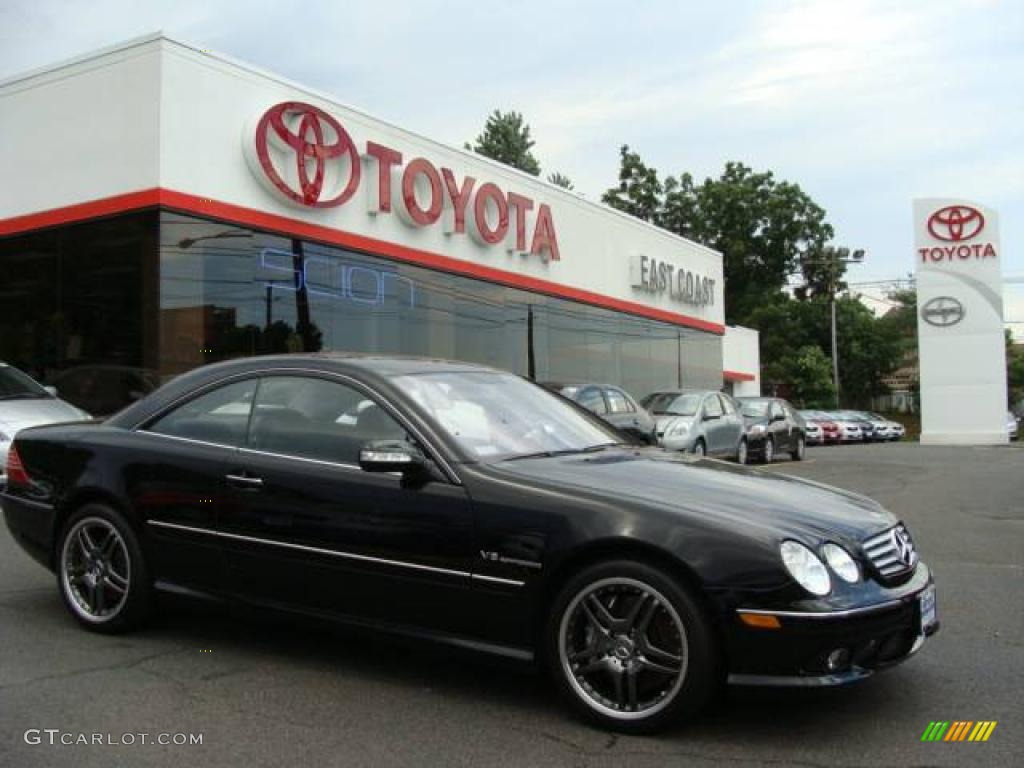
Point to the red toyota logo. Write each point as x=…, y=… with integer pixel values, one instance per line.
x=956, y=222
x=313, y=139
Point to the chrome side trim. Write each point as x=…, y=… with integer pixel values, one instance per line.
x=320, y=462
x=496, y=580
x=826, y=614
x=333, y=553
x=191, y=440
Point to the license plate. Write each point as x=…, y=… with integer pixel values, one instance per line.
x=927, y=604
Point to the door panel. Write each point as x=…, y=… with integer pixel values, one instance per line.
x=321, y=533
x=173, y=478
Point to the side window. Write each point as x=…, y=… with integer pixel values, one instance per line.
x=712, y=406
x=776, y=410
x=727, y=405
x=220, y=416
x=592, y=399
x=314, y=418
x=618, y=402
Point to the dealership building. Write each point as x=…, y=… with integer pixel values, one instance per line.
x=164, y=207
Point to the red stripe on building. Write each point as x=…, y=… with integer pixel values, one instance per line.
x=239, y=215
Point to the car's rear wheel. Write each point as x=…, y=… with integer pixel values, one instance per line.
x=101, y=572
x=769, y=450
x=799, y=450
x=631, y=648
x=699, y=448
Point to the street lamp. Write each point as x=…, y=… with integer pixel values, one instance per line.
x=835, y=257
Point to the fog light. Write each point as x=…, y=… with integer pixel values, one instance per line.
x=838, y=660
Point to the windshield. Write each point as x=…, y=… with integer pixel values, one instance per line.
x=674, y=404
x=495, y=416
x=15, y=385
x=755, y=409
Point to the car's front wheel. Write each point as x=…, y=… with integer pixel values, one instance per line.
x=699, y=448
x=769, y=451
x=101, y=573
x=630, y=647
x=799, y=450
x=741, y=452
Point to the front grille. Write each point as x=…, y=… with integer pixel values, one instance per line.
x=892, y=552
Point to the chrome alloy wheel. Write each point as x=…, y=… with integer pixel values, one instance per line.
x=623, y=648
x=741, y=453
x=95, y=570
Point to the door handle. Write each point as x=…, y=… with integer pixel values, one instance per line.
x=245, y=482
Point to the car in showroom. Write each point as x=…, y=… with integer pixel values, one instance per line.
x=828, y=428
x=773, y=427
x=24, y=402
x=613, y=404
x=703, y=422
x=471, y=506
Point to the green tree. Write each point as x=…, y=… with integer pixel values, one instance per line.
x=639, y=192
x=1014, y=371
x=804, y=375
x=764, y=228
x=506, y=138
x=561, y=180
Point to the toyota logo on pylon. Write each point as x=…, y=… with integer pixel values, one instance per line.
x=955, y=223
x=301, y=149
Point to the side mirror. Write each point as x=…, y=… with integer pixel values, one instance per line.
x=51, y=390
x=390, y=456
x=779, y=417
x=710, y=416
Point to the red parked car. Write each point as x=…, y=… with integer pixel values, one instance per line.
x=827, y=432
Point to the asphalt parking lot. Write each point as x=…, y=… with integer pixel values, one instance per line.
x=269, y=692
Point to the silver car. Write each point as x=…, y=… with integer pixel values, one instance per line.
x=26, y=403
x=1012, y=425
x=702, y=422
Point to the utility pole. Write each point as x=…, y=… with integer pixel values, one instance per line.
x=831, y=259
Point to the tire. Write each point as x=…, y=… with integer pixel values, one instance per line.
x=798, y=452
x=699, y=449
x=677, y=621
x=769, y=450
x=101, y=573
x=742, y=455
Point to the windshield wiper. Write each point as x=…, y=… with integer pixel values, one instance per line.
x=563, y=452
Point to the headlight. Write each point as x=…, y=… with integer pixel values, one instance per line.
x=679, y=428
x=757, y=429
x=804, y=566
x=839, y=560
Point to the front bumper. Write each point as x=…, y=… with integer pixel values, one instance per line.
x=679, y=442
x=872, y=637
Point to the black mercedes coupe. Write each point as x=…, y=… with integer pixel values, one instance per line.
x=458, y=503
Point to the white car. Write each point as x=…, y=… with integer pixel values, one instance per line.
x=1012, y=425
x=26, y=403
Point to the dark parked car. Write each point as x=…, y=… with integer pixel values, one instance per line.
x=614, y=405
x=453, y=502
x=773, y=427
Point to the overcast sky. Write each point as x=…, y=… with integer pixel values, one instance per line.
x=865, y=104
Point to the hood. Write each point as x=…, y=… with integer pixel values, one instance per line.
x=707, y=490
x=662, y=421
x=16, y=415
